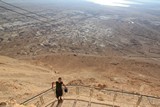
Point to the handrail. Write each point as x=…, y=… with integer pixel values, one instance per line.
x=119, y=91
x=40, y=94
x=96, y=88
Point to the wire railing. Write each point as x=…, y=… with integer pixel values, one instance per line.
x=92, y=95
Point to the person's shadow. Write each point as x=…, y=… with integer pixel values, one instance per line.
x=59, y=104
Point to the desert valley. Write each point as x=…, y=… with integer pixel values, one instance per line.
x=82, y=42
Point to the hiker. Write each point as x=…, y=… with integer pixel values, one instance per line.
x=59, y=90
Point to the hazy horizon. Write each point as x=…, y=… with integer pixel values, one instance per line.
x=119, y=3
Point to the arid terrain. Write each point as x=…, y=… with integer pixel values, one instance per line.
x=85, y=44
x=23, y=78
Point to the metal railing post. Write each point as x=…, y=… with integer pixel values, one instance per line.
x=114, y=98
x=37, y=104
x=139, y=101
x=90, y=97
x=41, y=100
x=77, y=93
x=52, y=104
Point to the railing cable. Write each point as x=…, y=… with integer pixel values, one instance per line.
x=23, y=9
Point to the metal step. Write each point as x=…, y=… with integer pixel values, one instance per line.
x=58, y=103
x=64, y=103
x=96, y=105
x=81, y=104
x=67, y=103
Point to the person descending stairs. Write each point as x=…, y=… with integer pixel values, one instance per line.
x=86, y=96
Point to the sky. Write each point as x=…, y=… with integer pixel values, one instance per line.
x=123, y=3
x=120, y=3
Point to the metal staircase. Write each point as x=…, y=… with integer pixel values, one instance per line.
x=84, y=96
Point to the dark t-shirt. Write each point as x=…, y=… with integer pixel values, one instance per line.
x=59, y=85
